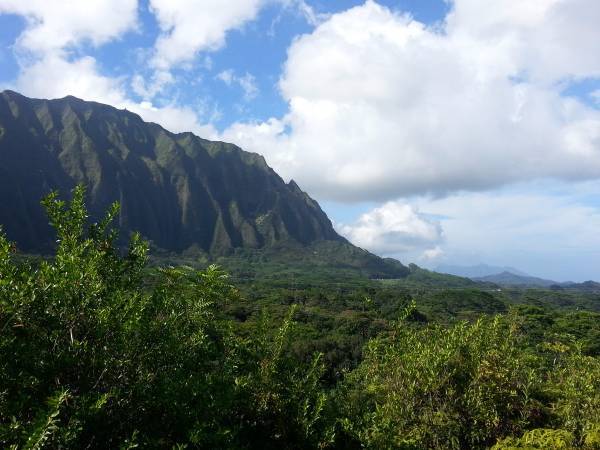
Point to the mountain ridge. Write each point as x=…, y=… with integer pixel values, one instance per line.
x=478, y=270
x=511, y=279
x=100, y=152
x=183, y=193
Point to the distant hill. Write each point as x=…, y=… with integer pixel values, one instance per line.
x=424, y=277
x=182, y=192
x=477, y=271
x=587, y=286
x=510, y=279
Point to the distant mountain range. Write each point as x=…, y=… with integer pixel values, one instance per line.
x=182, y=192
x=510, y=279
x=477, y=271
x=509, y=276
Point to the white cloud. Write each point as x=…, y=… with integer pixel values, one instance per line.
x=148, y=89
x=173, y=117
x=53, y=30
x=48, y=69
x=226, y=76
x=55, y=77
x=303, y=9
x=432, y=254
x=549, y=39
x=53, y=25
x=246, y=82
x=393, y=228
x=382, y=106
x=191, y=26
x=549, y=230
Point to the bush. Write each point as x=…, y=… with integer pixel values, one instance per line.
x=435, y=387
x=99, y=351
x=92, y=357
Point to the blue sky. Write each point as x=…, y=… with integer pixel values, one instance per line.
x=258, y=48
x=462, y=132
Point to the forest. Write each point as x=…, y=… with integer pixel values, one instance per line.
x=105, y=348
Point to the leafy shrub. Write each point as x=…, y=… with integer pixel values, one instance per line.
x=99, y=351
x=574, y=382
x=539, y=439
x=436, y=387
x=95, y=355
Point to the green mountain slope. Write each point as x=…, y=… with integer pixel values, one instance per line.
x=511, y=279
x=183, y=193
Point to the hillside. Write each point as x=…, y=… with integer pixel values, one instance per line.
x=183, y=193
x=511, y=279
x=477, y=271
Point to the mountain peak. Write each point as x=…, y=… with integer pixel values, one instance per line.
x=294, y=186
x=10, y=93
x=478, y=270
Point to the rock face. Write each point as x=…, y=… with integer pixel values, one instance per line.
x=180, y=191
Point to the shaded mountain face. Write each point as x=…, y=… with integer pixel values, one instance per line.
x=180, y=191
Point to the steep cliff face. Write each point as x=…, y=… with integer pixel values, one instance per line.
x=180, y=191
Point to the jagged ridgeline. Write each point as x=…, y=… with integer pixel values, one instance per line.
x=180, y=191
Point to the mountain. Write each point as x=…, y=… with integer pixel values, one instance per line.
x=182, y=192
x=477, y=271
x=510, y=279
x=586, y=286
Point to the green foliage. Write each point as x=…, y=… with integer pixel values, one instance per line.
x=46, y=424
x=575, y=382
x=539, y=439
x=458, y=387
x=93, y=356
x=286, y=400
x=549, y=439
x=99, y=351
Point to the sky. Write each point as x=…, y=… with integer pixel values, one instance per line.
x=433, y=131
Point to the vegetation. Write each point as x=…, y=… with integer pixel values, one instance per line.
x=100, y=350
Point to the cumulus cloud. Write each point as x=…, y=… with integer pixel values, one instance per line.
x=53, y=30
x=393, y=228
x=54, y=77
x=191, y=26
x=55, y=25
x=545, y=39
x=49, y=69
x=382, y=106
